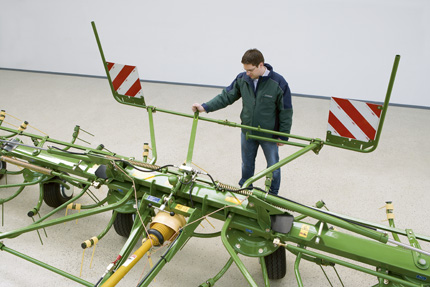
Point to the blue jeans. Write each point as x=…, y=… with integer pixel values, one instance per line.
x=249, y=152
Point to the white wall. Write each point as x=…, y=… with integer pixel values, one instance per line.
x=342, y=48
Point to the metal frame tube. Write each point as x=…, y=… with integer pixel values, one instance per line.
x=280, y=163
x=264, y=271
x=297, y=271
x=152, y=135
x=192, y=139
x=41, y=224
x=24, y=184
x=46, y=266
x=320, y=215
x=12, y=196
x=386, y=102
x=349, y=265
x=248, y=136
x=233, y=253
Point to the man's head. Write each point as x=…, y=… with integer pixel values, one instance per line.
x=253, y=63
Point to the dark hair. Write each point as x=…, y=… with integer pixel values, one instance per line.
x=252, y=57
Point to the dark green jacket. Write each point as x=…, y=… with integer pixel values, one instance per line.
x=268, y=106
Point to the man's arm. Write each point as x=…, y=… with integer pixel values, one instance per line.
x=227, y=97
x=285, y=111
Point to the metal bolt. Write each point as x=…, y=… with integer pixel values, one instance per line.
x=237, y=246
x=251, y=204
x=422, y=261
x=268, y=230
x=260, y=250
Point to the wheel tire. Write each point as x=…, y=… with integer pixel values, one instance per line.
x=2, y=167
x=54, y=194
x=123, y=224
x=276, y=264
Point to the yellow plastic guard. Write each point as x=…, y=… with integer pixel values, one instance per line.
x=23, y=126
x=75, y=206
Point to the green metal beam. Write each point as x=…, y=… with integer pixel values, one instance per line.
x=192, y=139
x=46, y=266
x=233, y=253
x=349, y=265
x=281, y=163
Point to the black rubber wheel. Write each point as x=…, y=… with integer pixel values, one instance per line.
x=55, y=194
x=123, y=223
x=2, y=167
x=276, y=264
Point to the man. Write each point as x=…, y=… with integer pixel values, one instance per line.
x=266, y=103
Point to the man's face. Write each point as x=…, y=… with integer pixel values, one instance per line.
x=254, y=71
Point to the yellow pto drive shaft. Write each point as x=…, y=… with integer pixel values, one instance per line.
x=163, y=227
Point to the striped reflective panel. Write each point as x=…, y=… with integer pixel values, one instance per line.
x=353, y=119
x=125, y=79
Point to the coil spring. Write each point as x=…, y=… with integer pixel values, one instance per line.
x=136, y=163
x=227, y=187
x=143, y=164
x=246, y=192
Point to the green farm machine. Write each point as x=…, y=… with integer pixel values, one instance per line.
x=165, y=204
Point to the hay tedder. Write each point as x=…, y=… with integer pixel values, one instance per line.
x=165, y=204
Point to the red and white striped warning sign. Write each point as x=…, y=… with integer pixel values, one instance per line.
x=125, y=79
x=353, y=119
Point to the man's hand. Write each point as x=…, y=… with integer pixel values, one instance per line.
x=197, y=107
x=279, y=144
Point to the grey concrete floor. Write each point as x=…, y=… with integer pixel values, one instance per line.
x=350, y=183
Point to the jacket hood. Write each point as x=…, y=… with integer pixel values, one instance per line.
x=269, y=67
